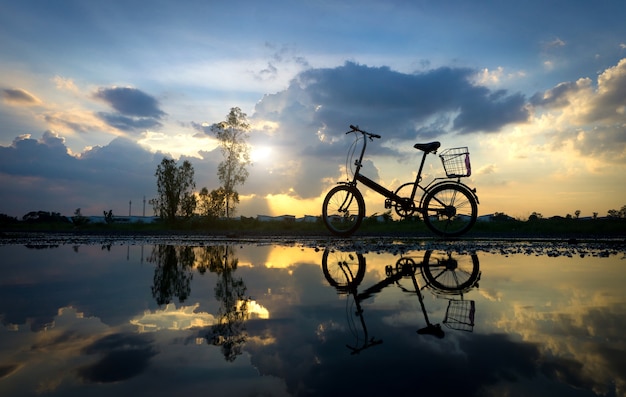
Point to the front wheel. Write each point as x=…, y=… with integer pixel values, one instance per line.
x=449, y=210
x=343, y=210
x=343, y=270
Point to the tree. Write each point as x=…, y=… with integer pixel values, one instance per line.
x=213, y=204
x=232, y=135
x=618, y=214
x=108, y=216
x=229, y=331
x=175, y=187
x=78, y=218
x=173, y=272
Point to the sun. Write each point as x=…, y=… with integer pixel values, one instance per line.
x=260, y=153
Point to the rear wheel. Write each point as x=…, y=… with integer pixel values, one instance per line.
x=451, y=275
x=343, y=210
x=449, y=210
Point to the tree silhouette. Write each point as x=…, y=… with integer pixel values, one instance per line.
x=229, y=332
x=173, y=272
x=175, y=187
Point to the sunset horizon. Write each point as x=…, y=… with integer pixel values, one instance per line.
x=93, y=97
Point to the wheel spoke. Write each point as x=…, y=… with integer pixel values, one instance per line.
x=449, y=210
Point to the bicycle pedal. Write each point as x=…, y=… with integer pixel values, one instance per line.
x=387, y=203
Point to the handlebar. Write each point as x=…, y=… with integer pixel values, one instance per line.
x=355, y=128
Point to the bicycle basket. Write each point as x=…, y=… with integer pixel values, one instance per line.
x=456, y=162
x=460, y=315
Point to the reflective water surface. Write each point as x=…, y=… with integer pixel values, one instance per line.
x=294, y=319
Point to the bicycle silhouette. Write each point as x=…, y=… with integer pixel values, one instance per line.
x=345, y=271
x=448, y=207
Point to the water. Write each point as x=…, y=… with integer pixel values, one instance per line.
x=296, y=319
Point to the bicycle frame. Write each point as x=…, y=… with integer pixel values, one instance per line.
x=381, y=189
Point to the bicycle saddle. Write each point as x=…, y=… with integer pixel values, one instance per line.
x=427, y=147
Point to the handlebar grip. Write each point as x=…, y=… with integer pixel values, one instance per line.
x=375, y=136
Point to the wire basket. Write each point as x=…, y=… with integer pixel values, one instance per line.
x=460, y=315
x=456, y=162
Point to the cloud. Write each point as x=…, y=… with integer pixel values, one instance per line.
x=122, y=356
x=65, y=84
x=304, y=123
x=130, y=102
x=19, y=97
x=588, y=117
x=126, y=123
x=94, y=180
x=556, y=43
x=136, y=110
x=384, y=98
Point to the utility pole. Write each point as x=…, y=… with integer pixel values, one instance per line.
x=144, y=206
x=129, y=204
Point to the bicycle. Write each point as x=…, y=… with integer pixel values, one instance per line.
x=443, y=275
x=448, y=207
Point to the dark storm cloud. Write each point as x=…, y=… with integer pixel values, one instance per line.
x=126, y=123
x=488, y=112
x=130, y=102
x=556, y=97
x=40, y=174
x=19, y=97
x=7, y=369
x=136, y=110
x=122, y=356
x=46, y=158
x=382, y=97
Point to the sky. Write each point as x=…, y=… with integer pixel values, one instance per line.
x=93, y=95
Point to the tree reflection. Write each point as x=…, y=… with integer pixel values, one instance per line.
x=173, y=272
x=229, y=331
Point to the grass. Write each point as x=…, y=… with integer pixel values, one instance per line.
x=571, y=228
x=568, y=227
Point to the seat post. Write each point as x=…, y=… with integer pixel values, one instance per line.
x=418, y=178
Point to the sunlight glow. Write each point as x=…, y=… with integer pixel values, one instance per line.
x=260, y=153
x=284, y=204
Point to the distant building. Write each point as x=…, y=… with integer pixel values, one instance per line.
x=280, y=218
x=308, y=218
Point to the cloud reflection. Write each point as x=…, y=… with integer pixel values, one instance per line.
x=185, y=317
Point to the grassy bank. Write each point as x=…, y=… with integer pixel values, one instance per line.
x=570, y=228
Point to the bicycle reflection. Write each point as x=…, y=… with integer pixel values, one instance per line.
x=443, y=275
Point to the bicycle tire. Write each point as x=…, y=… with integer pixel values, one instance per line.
x=449, y=209
x=343, y=210
x=452, y=275
x=343, y=270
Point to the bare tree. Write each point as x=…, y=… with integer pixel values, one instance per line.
x=232, y=135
